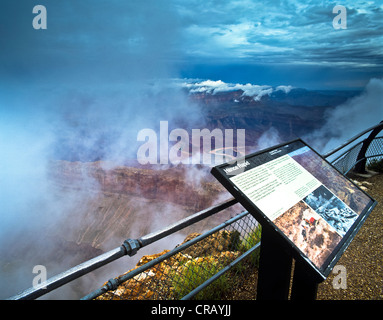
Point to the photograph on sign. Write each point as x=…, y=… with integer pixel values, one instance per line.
x=308, y=200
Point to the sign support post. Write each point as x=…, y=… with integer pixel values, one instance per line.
x=274, y=271
x=305, y=283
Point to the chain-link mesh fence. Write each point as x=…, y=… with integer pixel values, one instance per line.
x=348, y=160
x=374, y=152
x=175, y=273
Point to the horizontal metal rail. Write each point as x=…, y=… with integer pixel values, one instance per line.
x=348, y=142
x=344, y=152
x=356, y=159
x=129, y=247
x=155, y=236
x=112, y=284
x=69, y=275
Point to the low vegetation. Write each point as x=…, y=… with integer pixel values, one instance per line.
x=197, y=271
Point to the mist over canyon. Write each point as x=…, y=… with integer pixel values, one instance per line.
x=72, y=187
x=92, y=130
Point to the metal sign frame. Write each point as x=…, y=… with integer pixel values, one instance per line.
x=319, y=168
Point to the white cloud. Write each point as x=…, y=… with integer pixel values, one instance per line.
x=351, y=117
x=269, y=138
x=255, y=91
x=285, y=89
x=249, y=90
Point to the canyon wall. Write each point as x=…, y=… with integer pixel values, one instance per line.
x=188, y=186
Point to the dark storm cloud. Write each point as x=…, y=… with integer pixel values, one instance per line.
x=277, y=32
x=88, y=39
x=114, y=41
x=94, y=31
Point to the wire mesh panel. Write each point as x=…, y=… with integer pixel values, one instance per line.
x=348, y=160
x=375, y=151
x=181, y=272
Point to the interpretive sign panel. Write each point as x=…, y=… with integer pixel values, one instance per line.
x=310, y=204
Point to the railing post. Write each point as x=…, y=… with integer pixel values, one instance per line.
x=361, y=159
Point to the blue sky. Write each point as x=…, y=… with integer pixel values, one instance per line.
x=267, y=43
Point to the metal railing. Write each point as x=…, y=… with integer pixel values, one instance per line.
x=129, y=247
x=356, y=153
x=189, y=268
x=182, y=273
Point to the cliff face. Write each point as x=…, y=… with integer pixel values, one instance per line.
x=291, y=117
x=115, y=203
x=175, y=185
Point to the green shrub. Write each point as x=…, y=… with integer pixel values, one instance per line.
x=250, y=241
x=193, y=274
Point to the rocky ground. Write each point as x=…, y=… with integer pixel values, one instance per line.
x=363, y=259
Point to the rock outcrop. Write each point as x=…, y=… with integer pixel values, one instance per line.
x=176, y=276
x=178, y=185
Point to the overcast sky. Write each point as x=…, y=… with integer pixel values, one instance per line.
x=267, y=43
